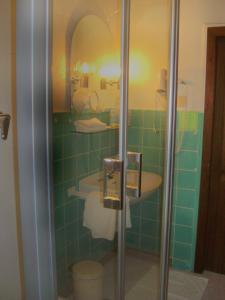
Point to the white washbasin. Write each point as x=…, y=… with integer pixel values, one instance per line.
x=150, y=182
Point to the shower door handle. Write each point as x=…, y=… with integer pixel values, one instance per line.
x=134, y=184
x=4, y=125
x=113, y=183
x=113, y=180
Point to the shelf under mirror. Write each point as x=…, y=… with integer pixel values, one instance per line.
x=108, y=128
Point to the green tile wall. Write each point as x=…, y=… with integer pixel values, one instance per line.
x=75, y=157
x=186, y=190
x=147, y=135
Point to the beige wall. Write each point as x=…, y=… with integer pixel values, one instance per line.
x=10, y=274
x=148, y=46
x=196, y=15
x=149, y=36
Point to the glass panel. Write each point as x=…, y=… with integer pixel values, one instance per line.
x=188, y=157
x=149, y=52
x=85, y=71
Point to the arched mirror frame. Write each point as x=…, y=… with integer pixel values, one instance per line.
x=81, y=11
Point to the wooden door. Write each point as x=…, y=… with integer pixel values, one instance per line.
x=215, y=230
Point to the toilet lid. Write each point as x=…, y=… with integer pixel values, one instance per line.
x=87, y=270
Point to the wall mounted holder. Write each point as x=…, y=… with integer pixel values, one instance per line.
x=104, y=83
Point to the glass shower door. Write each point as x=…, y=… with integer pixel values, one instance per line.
x=146, y=134
x=86, y=100
x=145, y=98
x=109, y=141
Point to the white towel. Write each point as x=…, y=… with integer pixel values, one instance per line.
x=91, y=125
x=102, y=221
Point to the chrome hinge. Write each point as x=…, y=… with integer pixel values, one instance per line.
x=4, y=125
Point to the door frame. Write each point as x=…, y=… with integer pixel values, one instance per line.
x=212, y=34
x=33, y=87
x=170, y=145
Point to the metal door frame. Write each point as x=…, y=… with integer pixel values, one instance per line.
x=34, y=121
x=123, y=132
x=169, y=150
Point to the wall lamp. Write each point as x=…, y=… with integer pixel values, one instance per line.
x=104, y=83
x=81, y=77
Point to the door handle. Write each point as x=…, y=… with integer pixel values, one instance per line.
x=4, y=125
x=134, y=185
x=113, y=183
x=113, y=180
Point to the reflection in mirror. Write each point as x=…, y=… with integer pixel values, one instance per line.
x=94, y=72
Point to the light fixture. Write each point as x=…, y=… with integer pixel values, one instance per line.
x=109, y=74
x=80, y=78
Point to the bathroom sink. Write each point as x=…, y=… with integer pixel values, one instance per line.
x=94, y=182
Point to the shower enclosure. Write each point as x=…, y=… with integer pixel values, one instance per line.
x=113, y=141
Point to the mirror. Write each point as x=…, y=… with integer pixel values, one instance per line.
x=94, y=67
